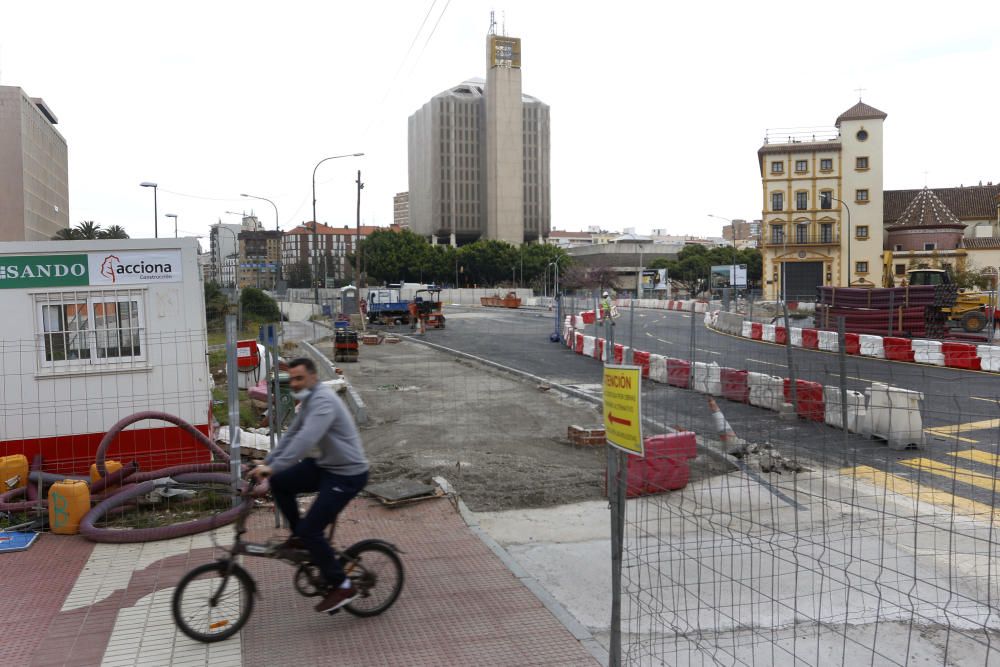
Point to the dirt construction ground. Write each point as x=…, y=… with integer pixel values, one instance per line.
x=498, y=438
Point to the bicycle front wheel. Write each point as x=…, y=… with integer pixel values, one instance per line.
x=377, y=573
x=213, y=601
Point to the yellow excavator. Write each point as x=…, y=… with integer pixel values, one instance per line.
x=971, y=308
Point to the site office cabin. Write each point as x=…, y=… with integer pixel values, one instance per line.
x=96, y=331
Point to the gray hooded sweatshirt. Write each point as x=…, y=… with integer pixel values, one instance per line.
x=323, y=423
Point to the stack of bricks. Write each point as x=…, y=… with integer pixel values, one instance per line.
x=586, y=437
x=371, y=339
x=392, y=339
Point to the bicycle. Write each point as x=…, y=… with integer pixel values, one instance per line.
x=214, y=601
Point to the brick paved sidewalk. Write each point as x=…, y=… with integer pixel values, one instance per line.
x=74, y=603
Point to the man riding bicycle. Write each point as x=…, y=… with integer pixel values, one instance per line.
x=321, y=452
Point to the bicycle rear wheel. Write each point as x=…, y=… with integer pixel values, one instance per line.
x=212, y=602
x=377, y=573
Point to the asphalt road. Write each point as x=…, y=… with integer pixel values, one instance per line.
x=951, y=396
x=962, y=405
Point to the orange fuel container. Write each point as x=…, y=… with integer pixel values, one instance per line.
x=13, y=472
x=112, y=466
x=69, y=501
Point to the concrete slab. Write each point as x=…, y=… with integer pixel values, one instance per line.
x=726, y=570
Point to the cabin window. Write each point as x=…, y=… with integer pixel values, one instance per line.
x=86, y=328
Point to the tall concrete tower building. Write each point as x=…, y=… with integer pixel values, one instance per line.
x=34, y=173
x=479, y=158
x=504, y=140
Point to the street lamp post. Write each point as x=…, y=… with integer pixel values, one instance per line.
x=174, y=216
x=156, y=215
x=315, y=235
x=277, y=228
x=555, y=337
x=826, y=197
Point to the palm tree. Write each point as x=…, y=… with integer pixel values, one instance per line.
x=66, y=234
x=113, y=232
x=88, y=229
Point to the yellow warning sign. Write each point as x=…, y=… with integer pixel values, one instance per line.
x=622, y=408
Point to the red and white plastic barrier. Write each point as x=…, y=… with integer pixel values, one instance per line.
x=707, y=378
x=989, y=357
x=894, y=348
x=927, y=352
x=960, y=355
x=871, y=346
x=678, y=373
x=664, y=466
x=658, y=368
x=898, y=349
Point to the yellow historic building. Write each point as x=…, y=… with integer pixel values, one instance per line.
x=822, y=205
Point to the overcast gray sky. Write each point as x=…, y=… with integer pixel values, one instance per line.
x=658, y=108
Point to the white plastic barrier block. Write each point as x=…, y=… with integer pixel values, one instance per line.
x=871, y=346
x=658, y=368
x=700, y=306
x=766, y=391
x=747, y=329
x=578, y=322
x=894, y=415
x=856, y=412
x=796, y=335
x=710, y=318
x=989, y=357
x=927, y=352
x=588, y=346
x=707, y=378
x=828, y=340
x=767, y=332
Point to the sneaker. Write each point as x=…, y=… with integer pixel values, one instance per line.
x=337, y=598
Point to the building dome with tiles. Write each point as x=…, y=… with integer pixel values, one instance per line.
x=926, y=224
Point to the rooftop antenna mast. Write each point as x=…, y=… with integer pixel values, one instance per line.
x=493, y=23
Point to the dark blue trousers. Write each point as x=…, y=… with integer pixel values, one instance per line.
x=334, y=492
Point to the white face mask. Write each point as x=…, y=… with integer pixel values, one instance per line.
x=301, y=395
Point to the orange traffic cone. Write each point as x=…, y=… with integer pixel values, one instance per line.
x=722, y=427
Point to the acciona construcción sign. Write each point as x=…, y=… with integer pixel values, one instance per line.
x=90, y=269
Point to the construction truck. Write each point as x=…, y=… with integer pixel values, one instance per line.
x=970, y=308
x=387, y=306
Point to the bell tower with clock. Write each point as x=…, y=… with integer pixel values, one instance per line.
x=504, y=140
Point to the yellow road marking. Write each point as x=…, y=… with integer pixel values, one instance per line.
x=949, y=436
x=921, y=493
x=978, y=456
x=962, y=475
x=968, y=426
